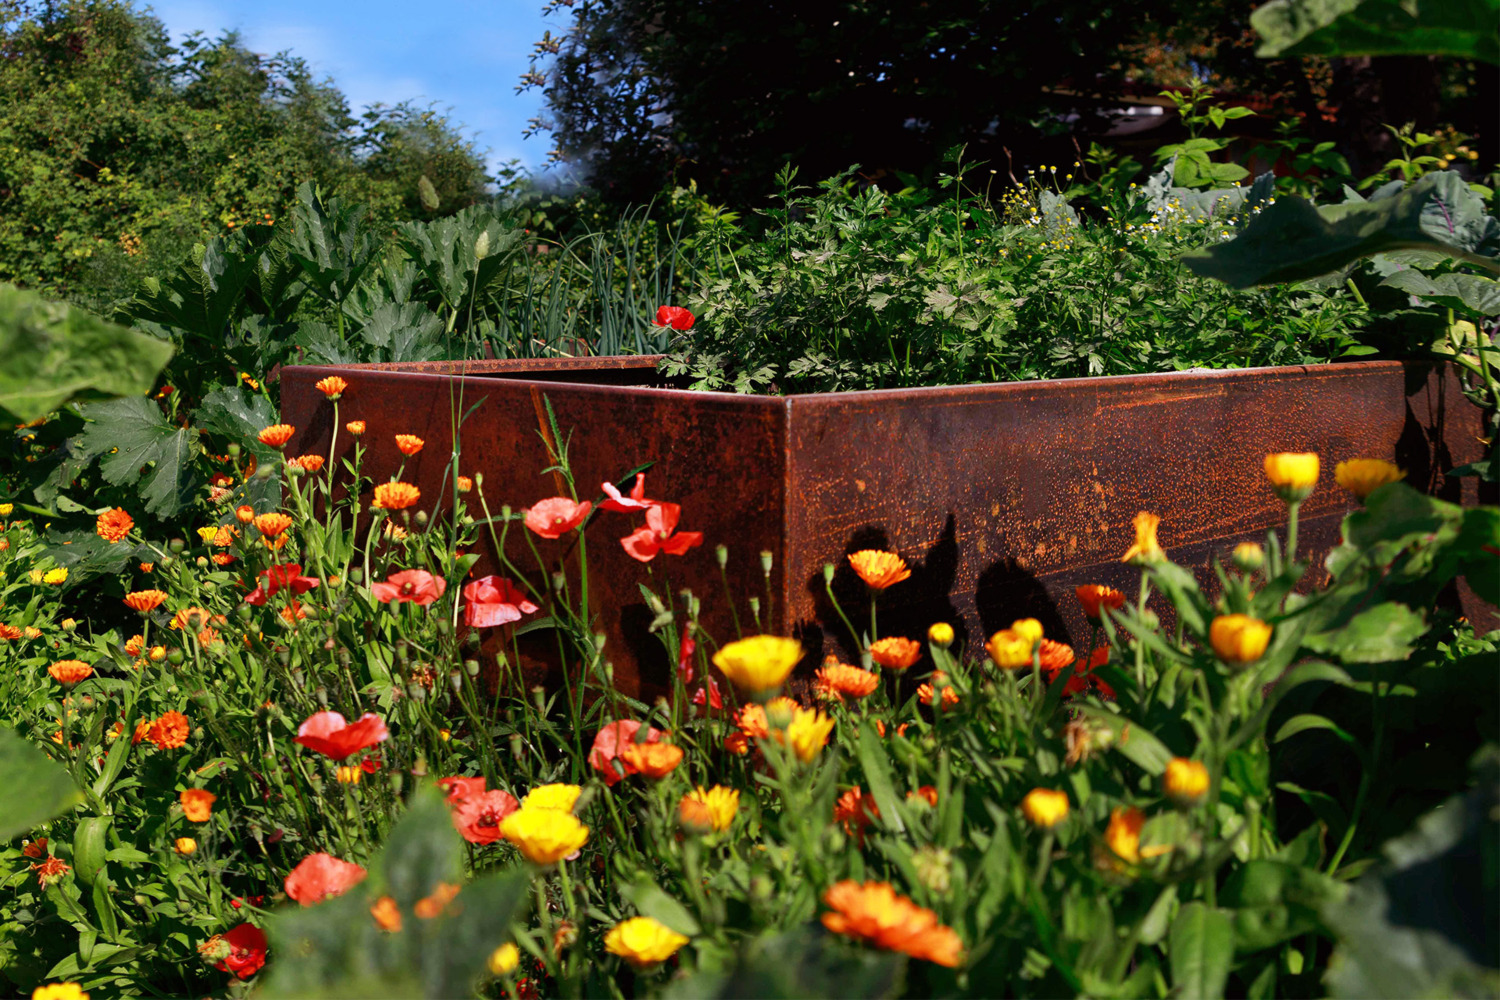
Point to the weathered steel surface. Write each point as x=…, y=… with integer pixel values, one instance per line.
x=1002, y=497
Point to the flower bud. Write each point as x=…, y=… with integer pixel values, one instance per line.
x=234, y=449
x=471, y=667
x=321, y=693
x=1185, y=781
x=421, y=518
x=455, y=681
x=176, y=545
x=1248, y=557
x=828, y=570
x=766, y=558
x=176, y=657
x=356, y=575
x=940, y=634
x=721, y=553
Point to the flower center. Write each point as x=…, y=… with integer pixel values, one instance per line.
x=408, y=587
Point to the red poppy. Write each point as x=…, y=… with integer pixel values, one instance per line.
x=714, y=698
x=494, y=600
x=458, y=789
x=676, y=317
x=416, y=585
x=277, y=577
x=238, y=901
x=319, y=876
x=552, y=517
x=247, y=951
x=607, y=744
x=478, y=817
x=328, y=734
x=685, y=650
x=370, y=765
x=622, y=504
x=644, y=543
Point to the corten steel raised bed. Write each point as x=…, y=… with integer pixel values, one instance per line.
x=1002, y=497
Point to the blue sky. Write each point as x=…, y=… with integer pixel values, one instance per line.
x=461, y=54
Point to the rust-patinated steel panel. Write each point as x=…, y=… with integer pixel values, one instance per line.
x=1003, y=497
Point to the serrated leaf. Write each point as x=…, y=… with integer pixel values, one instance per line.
x=200, y=297
x=56, y=353
x=1461, y=28
x=130, y=434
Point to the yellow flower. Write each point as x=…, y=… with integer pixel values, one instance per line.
x=1027, y=628
x=207, y=534
x=545, y=836
x=184, y=845
x=1185, y=781
x=55, y=576
x=349, y=774
x=1363, y=476
x=562, y=797
x=1123, y=835
x=1009, y=650
x=1239, y=638
x=6, y=508
x=940, y=634
x=719, y=804
x=1044, y=807
x=504, y=960
x=1145, y=549
x=643, y=942
x=1248, y=556
x=1292, y=474
x=58, y=991
x=808, y=733
x=760, y=664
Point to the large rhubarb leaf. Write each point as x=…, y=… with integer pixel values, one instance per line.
x=135, y=442
x=1462, y=28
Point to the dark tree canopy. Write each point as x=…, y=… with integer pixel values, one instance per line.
x=724, y=92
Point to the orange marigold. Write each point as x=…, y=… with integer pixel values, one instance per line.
x=142, y=731
x=355, y=427
x=135, y=644
x=395, y=496
x=1054, y=655
x=224, y=537
x=835, y=679
x=113, y=525
x=879, y=569
x=144, y=600
x=10, y=632
x=927, y=693
x=854, y=811
x=222, y=558
x=430, y=906
x=273, y=524
x=308, y=463
x=873, y=912
x=387, y=914
x=170, y=731
x=333, y=387
x=1094, y=598
x=409, y=444
x=276, y=435
x=244, y=513
x=31, y=632
x=653, y=760
x=752, y=722
x=197, y=804
x=70, y=671
x=465, y=484
x=895, y=652
x=184, y=618
x=148, y=567
x=51, y=869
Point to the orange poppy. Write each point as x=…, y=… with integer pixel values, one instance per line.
x=387, y=914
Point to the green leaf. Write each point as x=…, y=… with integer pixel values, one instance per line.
x=330, y=242
x=875, y=763
x=85, y=555
x=445, y=251
x=1201, y=947
x=35, y=789
x=55, y=354
x=1461, y=28
x=1302, y=723
x=1376, y=635
x=796, y=964
x=89, y=848
x=649, y=899
x=1420, y=926
x=1462, y=292
x=1293, y=240
x=130, y=434
x=1134, y=742
x=202, y=296
x=1274, y=901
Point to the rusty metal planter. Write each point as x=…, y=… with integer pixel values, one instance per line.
x=1003, y=497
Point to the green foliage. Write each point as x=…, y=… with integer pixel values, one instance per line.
x=36, y=789
x=123, y=151
x=337, y=950
x=1465, y=29
x=57, y=354
x=855, y=287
